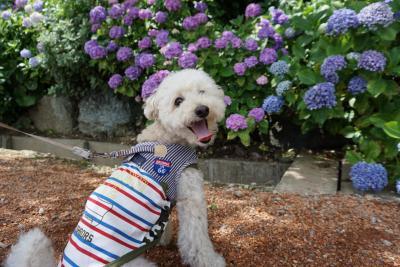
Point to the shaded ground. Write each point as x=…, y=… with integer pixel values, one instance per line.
x=254, y=229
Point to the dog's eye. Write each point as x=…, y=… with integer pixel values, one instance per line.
x=202, y=92
x=178, y=101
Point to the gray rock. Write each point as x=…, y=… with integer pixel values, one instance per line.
x=238, y=194
x=53, y=113
x=105, y=113
x=386, y=243
x=41, y=211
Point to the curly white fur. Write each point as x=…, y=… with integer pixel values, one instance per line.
x=170, y=125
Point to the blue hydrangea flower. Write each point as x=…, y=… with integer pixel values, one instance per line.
x=272, y=104
x=279, y=68
x=319, y=96
x=372, y=60
x=116, y=11
x=357, y=85
x=97, y=14
x=34, y=62
x=38, y=6
x=375, y=14
x=25, y=53
x=398, y=186
x=283, y=87
x=116, y=32
x=268, y=56
x=27, y=23
x=6, y=15
x=368, y=176
x=353, y=56
x=330, y=66
x=341, y=21
x=290, y=32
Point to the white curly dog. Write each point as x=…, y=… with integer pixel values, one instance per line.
x=185, y=110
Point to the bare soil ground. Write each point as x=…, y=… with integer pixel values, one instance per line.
x=249, y=228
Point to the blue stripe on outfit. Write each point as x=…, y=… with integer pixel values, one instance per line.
x=90, y=244
x=70, y=261
x=122, y=208
x=134, y=190
x=112, y=228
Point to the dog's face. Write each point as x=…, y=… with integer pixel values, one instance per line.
x=189, y=105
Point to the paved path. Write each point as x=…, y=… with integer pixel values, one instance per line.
x=310, y=175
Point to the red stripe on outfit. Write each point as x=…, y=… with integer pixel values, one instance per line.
x=132, y=197
x=143, y=181
x=117, y=214
x=88, y=253
x=107, y=234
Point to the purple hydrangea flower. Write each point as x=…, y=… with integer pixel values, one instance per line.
x=95, y=27
x=253, y=10
x=278, y=16
x=26, y=22
x=251, y=61
x=221, y=43
x=203, y=42
x=331, y=65
x=144, y=43
x=161, y=17
x=268, y=56
x=172, y=5
x=279, y=68
x=192, y=47
x=283, y=87
x=128, y=20
x=201, y=18
x=227, y=100
x=112, y=46
x=116, y=11
x=228, y=35
x=190, y=23
x=162, y=38
x=98, y=14
x=145, y=14
x=262, y=80
x=20, y=3
x=133, y=72
x=200, y=6
x=372, y=60
x=112, y=2
x=187, y=60
x=151, y=84
x=278, y=41
x=272, y=104
x=257, y=114
x=321, y=95
x=97, y=52
x=290, y=33
x=89, y=45
x=251, y=44
x=375, y=14
x=116, y=32
x=34, y=62
x=25, y=53
x=145, y=60
x=266, y=30
x=128, y=3
x=115, y=81
x=341, y=21
x=171, y=50
x=240, y=68
x=151, y=2
x=236, y=122
x=133, y=12
x=357, y=85
x=236, y=42
x=38, y=6
x=368, y=176
x=124, y=53
x=6, y=15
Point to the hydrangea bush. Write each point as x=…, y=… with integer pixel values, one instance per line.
x=344, y=61
x=21, y=74
x=137, y=43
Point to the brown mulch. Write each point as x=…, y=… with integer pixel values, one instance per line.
x=254, y=229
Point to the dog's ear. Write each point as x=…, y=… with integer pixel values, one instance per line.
x=150, y=107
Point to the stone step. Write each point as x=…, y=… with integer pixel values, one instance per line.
x=310, y=175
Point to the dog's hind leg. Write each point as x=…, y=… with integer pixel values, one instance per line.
x=194, y=243
x=33, y=249
x=140, y=262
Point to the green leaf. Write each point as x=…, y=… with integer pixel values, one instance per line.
x=241, y=81
x=392, y=128
x=226, y=72
x=376, y=87
x=264, y=127
x=353, y=157
x=232, y=135
x=25, y=100
x=388, y=34
x=244, y=137
x=371, y=149
x=308, y=77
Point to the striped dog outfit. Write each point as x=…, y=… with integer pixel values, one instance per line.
x=121, y=212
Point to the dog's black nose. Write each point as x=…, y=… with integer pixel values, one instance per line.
x=202, y=111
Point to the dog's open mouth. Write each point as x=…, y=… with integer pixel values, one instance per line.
x=200, y=129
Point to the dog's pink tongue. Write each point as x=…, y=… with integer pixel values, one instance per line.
x=200, y=129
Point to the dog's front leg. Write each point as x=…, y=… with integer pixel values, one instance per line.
x=194, y=243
